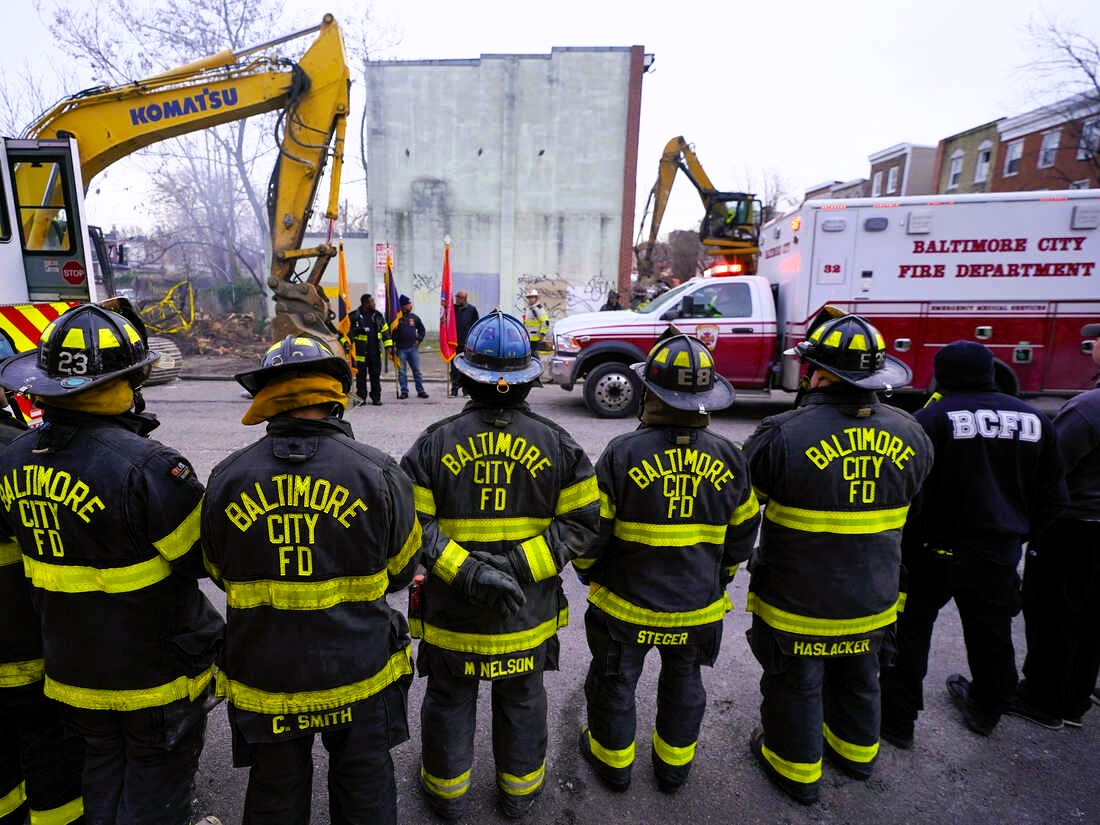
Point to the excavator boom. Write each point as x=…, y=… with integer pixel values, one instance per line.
x=311, y=93
x=731, y=220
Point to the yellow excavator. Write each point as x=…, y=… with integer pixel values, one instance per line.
x=730, y=229
x=45, y=173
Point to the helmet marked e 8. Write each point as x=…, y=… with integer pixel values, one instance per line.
x=680, y=372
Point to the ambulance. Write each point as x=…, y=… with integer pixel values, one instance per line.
x=1016, y=271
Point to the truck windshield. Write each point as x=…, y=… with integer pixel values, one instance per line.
x=662, y=302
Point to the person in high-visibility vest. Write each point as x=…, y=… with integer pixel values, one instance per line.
x=371, y=335
x=536, y=320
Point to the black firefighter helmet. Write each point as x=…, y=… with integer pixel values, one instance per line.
x=84, y=347
x=679, y=370
x=854, y=351
x=298, y=353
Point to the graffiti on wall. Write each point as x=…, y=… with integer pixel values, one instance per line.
x=563, y=297
x=423, y=282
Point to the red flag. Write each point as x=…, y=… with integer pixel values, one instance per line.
x=448, y=330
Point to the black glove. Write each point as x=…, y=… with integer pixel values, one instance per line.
x=485, y=585
x=513, y=563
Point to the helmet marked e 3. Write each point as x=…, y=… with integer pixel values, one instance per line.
x=853, y=349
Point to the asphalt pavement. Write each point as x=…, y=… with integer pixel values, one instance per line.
x=1022, y=774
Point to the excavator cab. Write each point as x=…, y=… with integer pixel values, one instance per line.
x=731, y=217
x=730, y=229
x=42, y=232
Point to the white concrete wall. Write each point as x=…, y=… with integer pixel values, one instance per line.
x=518, y=158
x=922, y=171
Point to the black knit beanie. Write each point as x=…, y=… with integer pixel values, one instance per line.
x=964, y=365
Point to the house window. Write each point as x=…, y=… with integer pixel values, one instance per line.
x=1090, y=139
x=892, y=180
x=1080, y=184
x=1013, y=152
x=956, y=170
x=985, y=157
x=1047, y=149
x=876, y=184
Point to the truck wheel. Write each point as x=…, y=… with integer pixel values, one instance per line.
x=612, y=391
x=169, y=366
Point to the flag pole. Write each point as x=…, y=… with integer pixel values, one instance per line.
x=448, y=338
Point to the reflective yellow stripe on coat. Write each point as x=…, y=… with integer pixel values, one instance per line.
x=670, y=535
x=618, y=607
x=261, y=701
x=185, y=687
x=71, y=578
x=836, y=521
x=577, y=496
x=489, y=644
x=17, y=674
x=286, y=595
x=180, y=540
x=814, y=626
x=61, y=815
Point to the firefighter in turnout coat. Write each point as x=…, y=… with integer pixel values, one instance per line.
x=307, y=530
x=39, y=766
x=506, y=499
x=836, y=476
x=112, y=554
x=677, y=517
x=997, y=480
x=371, y=336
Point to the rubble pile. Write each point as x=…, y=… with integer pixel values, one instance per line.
x=230, y=335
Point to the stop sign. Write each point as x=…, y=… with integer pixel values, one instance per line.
x=73, y=272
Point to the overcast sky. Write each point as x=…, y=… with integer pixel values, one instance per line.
x=804, y=88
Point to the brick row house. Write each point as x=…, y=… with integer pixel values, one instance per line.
x=1055, y=147
x=1052, y=147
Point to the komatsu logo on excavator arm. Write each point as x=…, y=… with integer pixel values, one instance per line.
x=190, y=105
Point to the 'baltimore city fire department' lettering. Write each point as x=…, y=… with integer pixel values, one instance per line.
x=680, y=470
x=40, y=492
x=982, y=246
x=863, y=451
x=493, y=457
x=294, y=533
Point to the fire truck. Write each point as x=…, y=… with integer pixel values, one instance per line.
x=1016, y=271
